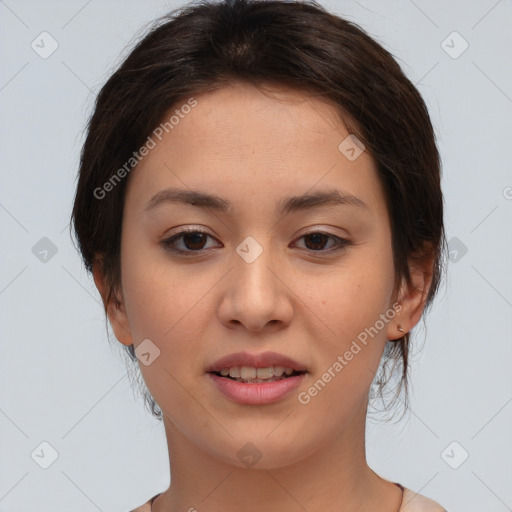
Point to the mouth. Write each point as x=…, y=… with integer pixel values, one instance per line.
x=256, y=379
x=249, y=375
x=242, y=385
x=262, y=365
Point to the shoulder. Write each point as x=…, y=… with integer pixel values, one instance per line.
x=414, y=502
x=146, y=507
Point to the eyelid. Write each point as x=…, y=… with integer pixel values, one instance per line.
x=189, y=228
x=322, y=228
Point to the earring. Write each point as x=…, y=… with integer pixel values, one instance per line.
x=400, y=330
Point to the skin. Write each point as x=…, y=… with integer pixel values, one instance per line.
x=299, y=297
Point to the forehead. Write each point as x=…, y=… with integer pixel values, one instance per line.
x=269, y=116
x=243, y=141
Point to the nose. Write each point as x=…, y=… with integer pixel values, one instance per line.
x=256, y=293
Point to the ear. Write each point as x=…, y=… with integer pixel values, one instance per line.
x=116, y=313
x=412, y=298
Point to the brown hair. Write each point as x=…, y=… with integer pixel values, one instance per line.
x=202, y=47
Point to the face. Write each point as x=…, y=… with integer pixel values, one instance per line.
x=304, y=281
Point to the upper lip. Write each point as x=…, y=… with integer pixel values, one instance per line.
x=261, y=360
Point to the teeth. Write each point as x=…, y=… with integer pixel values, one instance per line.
x=265, y=373
x=278, y=371
x=248, y=373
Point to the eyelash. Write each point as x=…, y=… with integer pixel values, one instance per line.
x=341, y=243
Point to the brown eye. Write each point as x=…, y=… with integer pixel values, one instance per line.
x=317, y=241
x=194, y=241
x=190, y=241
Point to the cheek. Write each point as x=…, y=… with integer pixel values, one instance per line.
x=348, y=353
x=167, y=306
x=353, y=295
x=155, y=302
x=165, y=302
x=350, y=301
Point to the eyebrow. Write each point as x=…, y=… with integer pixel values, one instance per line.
x=332, y=197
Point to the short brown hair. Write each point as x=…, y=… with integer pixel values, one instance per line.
x=202, y=47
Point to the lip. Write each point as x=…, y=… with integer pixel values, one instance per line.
x=261, y=360
x=256, y=393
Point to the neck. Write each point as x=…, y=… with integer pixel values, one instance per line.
x=335, y=476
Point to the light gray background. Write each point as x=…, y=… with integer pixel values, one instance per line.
x=61, y=383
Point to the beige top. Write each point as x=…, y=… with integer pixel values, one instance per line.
x=412, y=502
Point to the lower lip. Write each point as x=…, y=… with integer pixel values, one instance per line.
x=257, y=393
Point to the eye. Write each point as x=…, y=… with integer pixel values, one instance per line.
x=315, y=241
x=191, y=241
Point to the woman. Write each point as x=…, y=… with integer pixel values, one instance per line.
x=259, y=203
